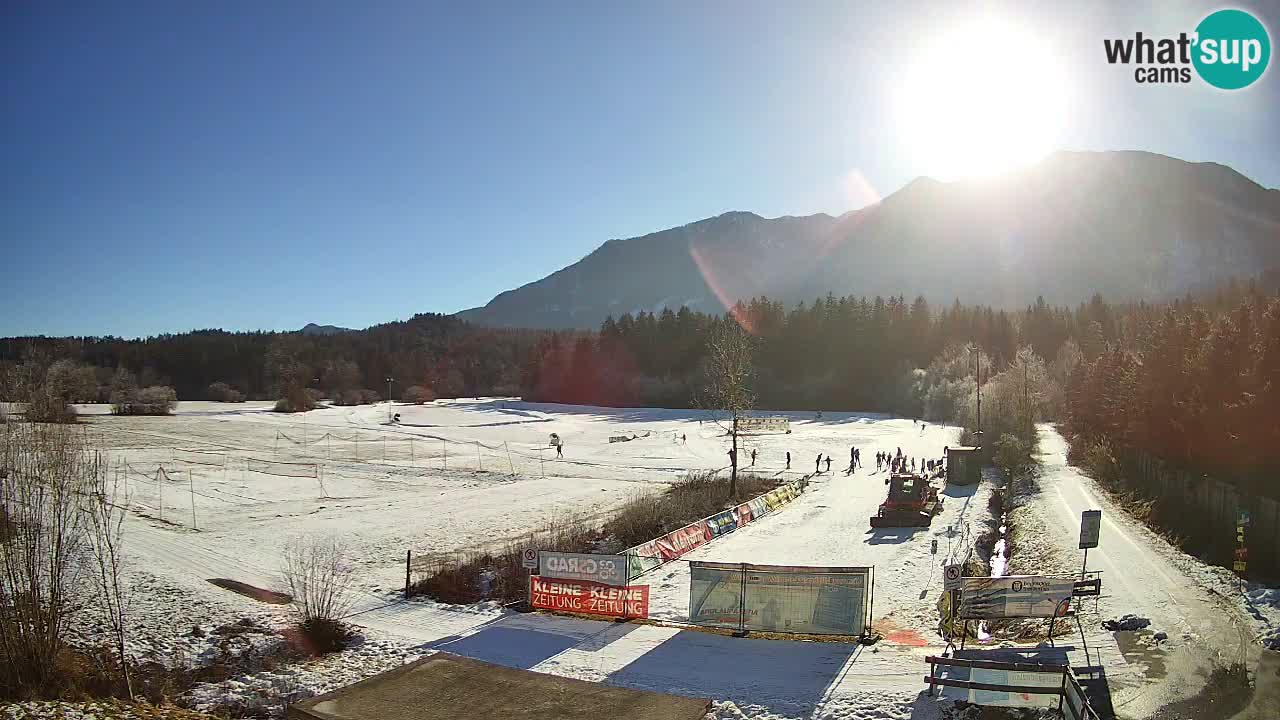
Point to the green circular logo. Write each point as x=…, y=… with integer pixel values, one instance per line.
x=1232, y=49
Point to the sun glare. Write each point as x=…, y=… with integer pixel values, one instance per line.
x=981, y=99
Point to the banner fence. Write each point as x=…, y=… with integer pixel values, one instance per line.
x=781, y=598
x=653, y=554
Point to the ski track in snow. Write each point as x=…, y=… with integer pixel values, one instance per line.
x=382, y=501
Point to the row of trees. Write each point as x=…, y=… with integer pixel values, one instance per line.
x=836, y=353
x=1196, y=383
x=440, y=353
x=47, y=387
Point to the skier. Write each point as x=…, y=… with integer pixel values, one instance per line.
x=913, y=465
x=560, y=449
x=753, y=457
x=857, y=458
x=828, y=463
x=853, y=458
x=817, y=465
x=788, y=459
x=684, y=439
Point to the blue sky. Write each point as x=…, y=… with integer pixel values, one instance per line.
x=168, y=166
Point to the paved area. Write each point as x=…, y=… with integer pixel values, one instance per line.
x=449, y=687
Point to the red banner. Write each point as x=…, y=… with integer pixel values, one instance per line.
x=678, y=542
x=584, y=596
x=744, y=514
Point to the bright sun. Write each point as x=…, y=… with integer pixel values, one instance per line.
x=980, y=100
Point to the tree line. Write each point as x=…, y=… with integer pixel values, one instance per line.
x=1195, y=383
x=439, y=352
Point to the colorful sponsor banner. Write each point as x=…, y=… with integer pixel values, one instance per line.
x=678, y=542
x=725, y=522
x=1015, y=596
x=584, y=596
x=606, y=569
x=647, y=556
x=775, y=598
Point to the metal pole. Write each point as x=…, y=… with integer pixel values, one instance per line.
x=541, y=463
x=742, y=601
x=192, y=487
x=509, y=462
x=1085, y=564
x=871, y=610
x=408, y=555
x=478, y=460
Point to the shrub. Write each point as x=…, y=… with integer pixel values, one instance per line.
x=154, y=400
x=222, y=392
x=297, y=400
x=316, y=573
x=417, y=395
x=45, y=405
x=499, y=574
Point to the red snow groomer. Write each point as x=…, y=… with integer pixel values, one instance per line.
x=912, y=502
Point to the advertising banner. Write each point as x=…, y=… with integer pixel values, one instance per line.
x=779, y=598
x=758, y=507
x=715, y=594
x=605, y=569
x=744, y=514
x=725, y=522
x=583, y=596
x=678, y=542
x=643, y=558
x=749, y=425
x=819, y=601
x=1015, y=596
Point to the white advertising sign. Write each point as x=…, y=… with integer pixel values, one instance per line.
x=606, y=569
x=1015, y=596
x=529, y=559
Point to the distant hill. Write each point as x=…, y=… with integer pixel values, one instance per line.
x=1130, y=225
x=314, y=329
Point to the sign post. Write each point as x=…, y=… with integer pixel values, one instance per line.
x=1242, y=552
x=529, y=560
x=1090, y=530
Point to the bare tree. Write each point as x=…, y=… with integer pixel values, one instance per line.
x=318, y=576
x=47, y=481
x=105, y=507
x=727, y=377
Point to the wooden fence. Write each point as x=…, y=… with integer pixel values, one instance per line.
x=1211, y=508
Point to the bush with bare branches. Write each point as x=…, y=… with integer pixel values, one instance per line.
x=59, y=552
x=317, y=574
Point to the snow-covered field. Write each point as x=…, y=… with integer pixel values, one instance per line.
x=456, y=475
x=452, y=476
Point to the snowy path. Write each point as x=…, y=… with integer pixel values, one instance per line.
x=1142, y=574
x=829, y=525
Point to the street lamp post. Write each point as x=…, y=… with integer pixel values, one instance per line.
x=390, y=407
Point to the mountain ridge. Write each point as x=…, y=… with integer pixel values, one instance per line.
x=1129, y=224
